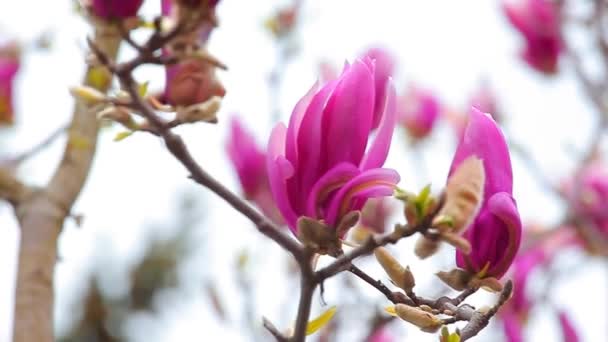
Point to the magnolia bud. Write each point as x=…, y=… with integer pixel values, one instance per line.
x=89, y=95
x=204, y=111
x=463, y=196
x=457, y=279
x=425, y=247
x=425, y=321
x=118, y=114
x=402, y=277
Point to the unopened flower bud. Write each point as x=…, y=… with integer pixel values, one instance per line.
x=205, y=111
x=402, y=277
x=425, y=321
x=425, y=247
x=457, y=279
x=463, y=196
x=89, y=95
x=118, y=114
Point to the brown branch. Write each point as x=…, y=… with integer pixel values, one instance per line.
x=479, y=320
x=41, y=218
x=11, y=189
x=273, y=330
x=308, y=284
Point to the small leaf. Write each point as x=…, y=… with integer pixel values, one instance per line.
x=319, y=322
x=122, y=135
x=142, y=89
x=391, y=311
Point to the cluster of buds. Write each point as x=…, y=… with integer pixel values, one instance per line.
x=191, y=80
x=9, y=65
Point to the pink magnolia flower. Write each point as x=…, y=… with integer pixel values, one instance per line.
x=249, y=162
x=588, y=195
x=384, y=68
x=538, y=21
x=9, y=65
x=513, y=327
x=496, y=231
x=318, y=166
x=569, y=333
x=418, y=111
x=115, y=9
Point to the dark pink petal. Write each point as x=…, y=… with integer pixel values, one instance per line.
x=295, y=121
x=503, y=206
x=279, y=170
x=483, y=138
x=248, y=160
x=115, y=9
x=569, y=333
x=369, y=183
x=331, y=181
x=348, y=115
x=308, y=168
x=378, y=151
x=384, y=66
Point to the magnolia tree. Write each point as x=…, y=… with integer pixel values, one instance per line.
x=317, y=186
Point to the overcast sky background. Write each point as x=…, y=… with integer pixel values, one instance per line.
x=447, y=46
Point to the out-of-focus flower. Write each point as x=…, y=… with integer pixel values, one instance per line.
x=588, y=195
x=384, y=64
x=569, y=333
x=375, y=214
x=192, y=80
x=327, y=71
x=283, y=21
x=513, y=328
x=538, y=21
x=9, y=65
x=418, y=111
x=381, y=335
x=496, y=231
x=249, y=162
x=484, y=99
x=115, y=9
x=318, y=166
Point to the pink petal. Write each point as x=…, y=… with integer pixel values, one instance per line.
x=503, y=206
x=348, y=115
x=569, y=332
x=484, y=139
x=369, y=183
x=327, y=184
x=378, y=151
x=295, y=122
x=279, y=170
x=513, y=328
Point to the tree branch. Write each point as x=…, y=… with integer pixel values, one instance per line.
x=41, y=216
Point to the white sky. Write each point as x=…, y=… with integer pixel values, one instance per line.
x=448, y=46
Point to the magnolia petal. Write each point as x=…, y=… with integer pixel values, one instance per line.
x=348, y=116
x=278, y=168
x=378, y=151
x=484, y=139
x=295, y=122
x=503, y=206
x=369, y=183
x=328, y=183
x=309, y=141
x=512, y=328
x=569, y=332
